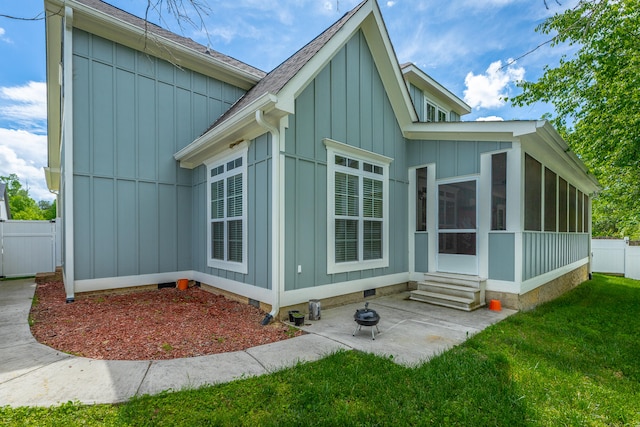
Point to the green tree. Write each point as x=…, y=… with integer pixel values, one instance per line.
x=48, y=209
x=22, y=206
x=595, y=92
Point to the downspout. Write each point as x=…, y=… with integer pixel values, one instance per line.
x=67, y=143
x=275, y=215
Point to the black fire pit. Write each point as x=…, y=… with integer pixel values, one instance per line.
x=366, y=317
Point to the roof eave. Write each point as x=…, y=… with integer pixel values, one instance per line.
x=239, y=127
x=368, y=19
x=478, y=131
x=127, y=34
x=53, y=28
x=422, y=80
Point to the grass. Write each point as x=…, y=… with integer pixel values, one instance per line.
x=574, y=361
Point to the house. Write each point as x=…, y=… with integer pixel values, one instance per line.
x=5, y=212
x=339, y=174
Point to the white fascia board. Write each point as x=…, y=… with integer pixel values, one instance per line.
x=126, y=34
x=423, y=81
x=368, y=19
x=53, y=27
x=294, y=87
x=385, y=58
x=241, y=126
x=469, y=131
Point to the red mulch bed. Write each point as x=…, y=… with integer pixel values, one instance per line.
x=149, y=325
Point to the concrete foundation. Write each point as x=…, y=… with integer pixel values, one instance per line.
x=547, y=292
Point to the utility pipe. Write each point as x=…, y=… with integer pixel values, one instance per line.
x=275, y=217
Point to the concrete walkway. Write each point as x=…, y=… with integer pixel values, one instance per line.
x=32, y=374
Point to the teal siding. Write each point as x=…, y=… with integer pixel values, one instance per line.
x=346, y=102
x=133, y=204
x=259, y=171
x=502, y=256
x=417, y=96
x=544, y=252
x=421, y=252
x=452, y=158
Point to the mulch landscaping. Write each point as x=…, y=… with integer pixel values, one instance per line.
x=149, y=325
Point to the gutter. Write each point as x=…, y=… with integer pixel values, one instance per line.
x=275, y=214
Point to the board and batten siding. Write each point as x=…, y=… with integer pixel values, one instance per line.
x=452, y=159
x=132, y=202
x=258, y=218
x=545, y=252
x=346, y=102
x=502, y=256
x=417, y=97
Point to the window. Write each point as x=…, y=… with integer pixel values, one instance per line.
x=433, y=113
x=499, y=191
x=421, y=199
x=550, y=197
x=227, y=207
x=358, y=209
x=532, y=194
x=430, y=113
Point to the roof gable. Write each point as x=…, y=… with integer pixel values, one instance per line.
x=275, y=94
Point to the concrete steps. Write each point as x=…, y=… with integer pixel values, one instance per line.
x=457, y=291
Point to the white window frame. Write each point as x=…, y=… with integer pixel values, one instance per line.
x=438, y=110
x=335, y=148
x=240, y=151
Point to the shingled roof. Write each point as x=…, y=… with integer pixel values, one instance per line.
x=120, y=14
x=283, y=73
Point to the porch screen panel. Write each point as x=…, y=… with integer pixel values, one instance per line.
x=499, y=191
x=457, y=218
x=585, y=214
x=572, y=209
x=580, y=216
x=457, y=207
x=532, y=194
x=421, y=199
x=563, y=199
x=550, y=200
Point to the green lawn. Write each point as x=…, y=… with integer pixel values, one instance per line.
x=574, y=361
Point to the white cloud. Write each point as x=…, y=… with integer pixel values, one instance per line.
x=23, y=149
x=490, y=119
x=26, y=105
x=3, y=37
x=25, y=154
x=391, y=3
x=488, y=90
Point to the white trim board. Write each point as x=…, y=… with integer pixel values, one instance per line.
x=298, y=296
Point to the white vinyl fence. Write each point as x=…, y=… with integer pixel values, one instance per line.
x=615, y=256
x=27, y=248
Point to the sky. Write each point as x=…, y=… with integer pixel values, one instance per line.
x=466, y=45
